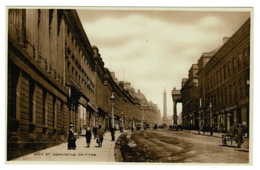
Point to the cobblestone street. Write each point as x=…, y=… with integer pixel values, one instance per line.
x=179, y=147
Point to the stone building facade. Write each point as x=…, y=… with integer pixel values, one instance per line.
x=227, y=77
x=204, y=113
x=223, y=85
x=56, y=77
x=190, y=99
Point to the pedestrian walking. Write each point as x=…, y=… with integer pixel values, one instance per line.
x=203, y=129
x=88, y=136
x=112, y=131
x=211, y=130
x=95, y=131
x=71, y=138
x=121, y=129
x=240, y=135
x=100, y=135
x=132, y=129
x=198, y=130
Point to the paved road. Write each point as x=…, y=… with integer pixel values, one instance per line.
x=177, y=147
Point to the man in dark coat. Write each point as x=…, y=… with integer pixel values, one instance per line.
x=95, y=131
x=71, y=138
x=88, y=136
x=112, y=131
x=211, y=130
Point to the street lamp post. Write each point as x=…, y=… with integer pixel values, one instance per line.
x=210, y=113
x=210, y=119
x=112, y=98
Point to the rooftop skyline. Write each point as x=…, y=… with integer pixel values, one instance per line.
x=154, y=49
x=115, y=32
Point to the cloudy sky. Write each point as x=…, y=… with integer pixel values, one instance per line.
x=154, y=49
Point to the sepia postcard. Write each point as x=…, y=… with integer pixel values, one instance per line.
x=157, y=85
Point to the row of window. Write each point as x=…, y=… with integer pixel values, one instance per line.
x=19, y=20
x=231, y=68
x=191, y=106
x=84, y=81
x=231, y=93
x=79, y=74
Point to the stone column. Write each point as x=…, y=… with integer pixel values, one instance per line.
x=175, y=112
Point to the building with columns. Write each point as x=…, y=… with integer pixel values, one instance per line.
x=217, y=91
x=56, y=77
x=176, y=98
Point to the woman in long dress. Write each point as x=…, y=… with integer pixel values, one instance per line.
x=71, y=138
x=88, y=137
x=100, y=135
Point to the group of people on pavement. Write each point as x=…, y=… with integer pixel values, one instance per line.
x=98, y=133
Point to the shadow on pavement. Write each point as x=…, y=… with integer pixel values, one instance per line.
x=238, y=149
x=228, y=146
x=242, y=150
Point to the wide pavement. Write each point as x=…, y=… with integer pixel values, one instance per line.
x=82, y=154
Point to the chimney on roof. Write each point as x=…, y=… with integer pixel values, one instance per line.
x=225, y=39
x=113, y=75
